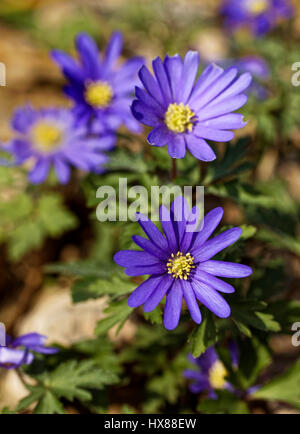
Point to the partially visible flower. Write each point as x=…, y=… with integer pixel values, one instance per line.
x=259, y=16
x=101, y=90
x=258, y=67
x=50, y=138
x=185, y=111
x=180, y=264
x=211, y=374
x=18, y=351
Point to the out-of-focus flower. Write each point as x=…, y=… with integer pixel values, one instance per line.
x=184, y=110
x=211, y=374
x=51, y=138
x=180, y=264
x=101, y=90
x=259, y=16
x=18, y=351
x=258, y=68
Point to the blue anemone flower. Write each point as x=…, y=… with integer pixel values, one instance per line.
x=50, y=137
x=185, y=111
x=100, y=88
x=18, y=351
x=180, y=264
x=259, y=16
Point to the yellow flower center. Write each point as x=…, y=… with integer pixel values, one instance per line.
x=98, y=94
x=217, y=375
x=180, y=265
x=179, y=118
x=257, y=7
x=46, y=136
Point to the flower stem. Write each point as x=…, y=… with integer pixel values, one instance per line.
x=21, y=377
x=174, y=170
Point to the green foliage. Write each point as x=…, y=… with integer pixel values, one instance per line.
x=26, y=222
x=71, y=380
x=226, y=403
x=284, y=388
x=204, y=335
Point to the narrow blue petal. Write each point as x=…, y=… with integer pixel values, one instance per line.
x=225, y=269
x=199, y=148
x=159, y=293
x=213, y=281
x=173, y=306
x=191, y=302
x=211, y=299
x=176, y=147
x=216, y=244
x=211, y=221
x=140, y=295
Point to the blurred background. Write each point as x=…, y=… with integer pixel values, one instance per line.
x=30, y=298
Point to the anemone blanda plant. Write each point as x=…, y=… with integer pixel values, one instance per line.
x=259, y=16
x=50, y=137
x=100, y=88
x=180, y=264
x=211, y=375
x=185, y=111
x=19, y=351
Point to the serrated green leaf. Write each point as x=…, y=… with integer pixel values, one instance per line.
x=285, y=388
x=116, y=313
x=90, y=287
x=204, y=335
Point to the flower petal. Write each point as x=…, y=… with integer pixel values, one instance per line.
x=160, y=136
x=40, y=171
x=213, y=281
x=225, y=269
x=173, y=306
x=174, y=67
x=152, y=232
x=140, y=295
x=151, y=84
x=199, y=148
x=212, y=134
x=216, y=244
x=113, y=50
x=134, y=258
x=158, y=293
x=176, y=147
x=191, y=302
x=145, y=114
x=189, y=74
x=149, y=247
x=162, y=79
x=211, y=299
x=211, y=221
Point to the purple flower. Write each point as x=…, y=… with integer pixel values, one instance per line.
x=259, y=16
x=100, y=89
x=258, y=68
x=180, y=264
x=50, y=138
x=18, y=352
x=184, y=110
x=210, y=374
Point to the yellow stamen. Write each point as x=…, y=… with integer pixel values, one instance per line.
x=180, y=265
x=46, y=136
x=98, y=94
x=257, y=7
x=217, y=375
x=179, y=118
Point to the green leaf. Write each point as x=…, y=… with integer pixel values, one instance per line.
x=155, y=317
x=90, y=287
x=52, y=215
x=204, y=335
x=116, y=313
x=48, y=404
x=226, y=403
x=26, y=236
x=248, y=313
x=82, y=268
x=285, y=388
x=286, y=312
x=70, y=380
